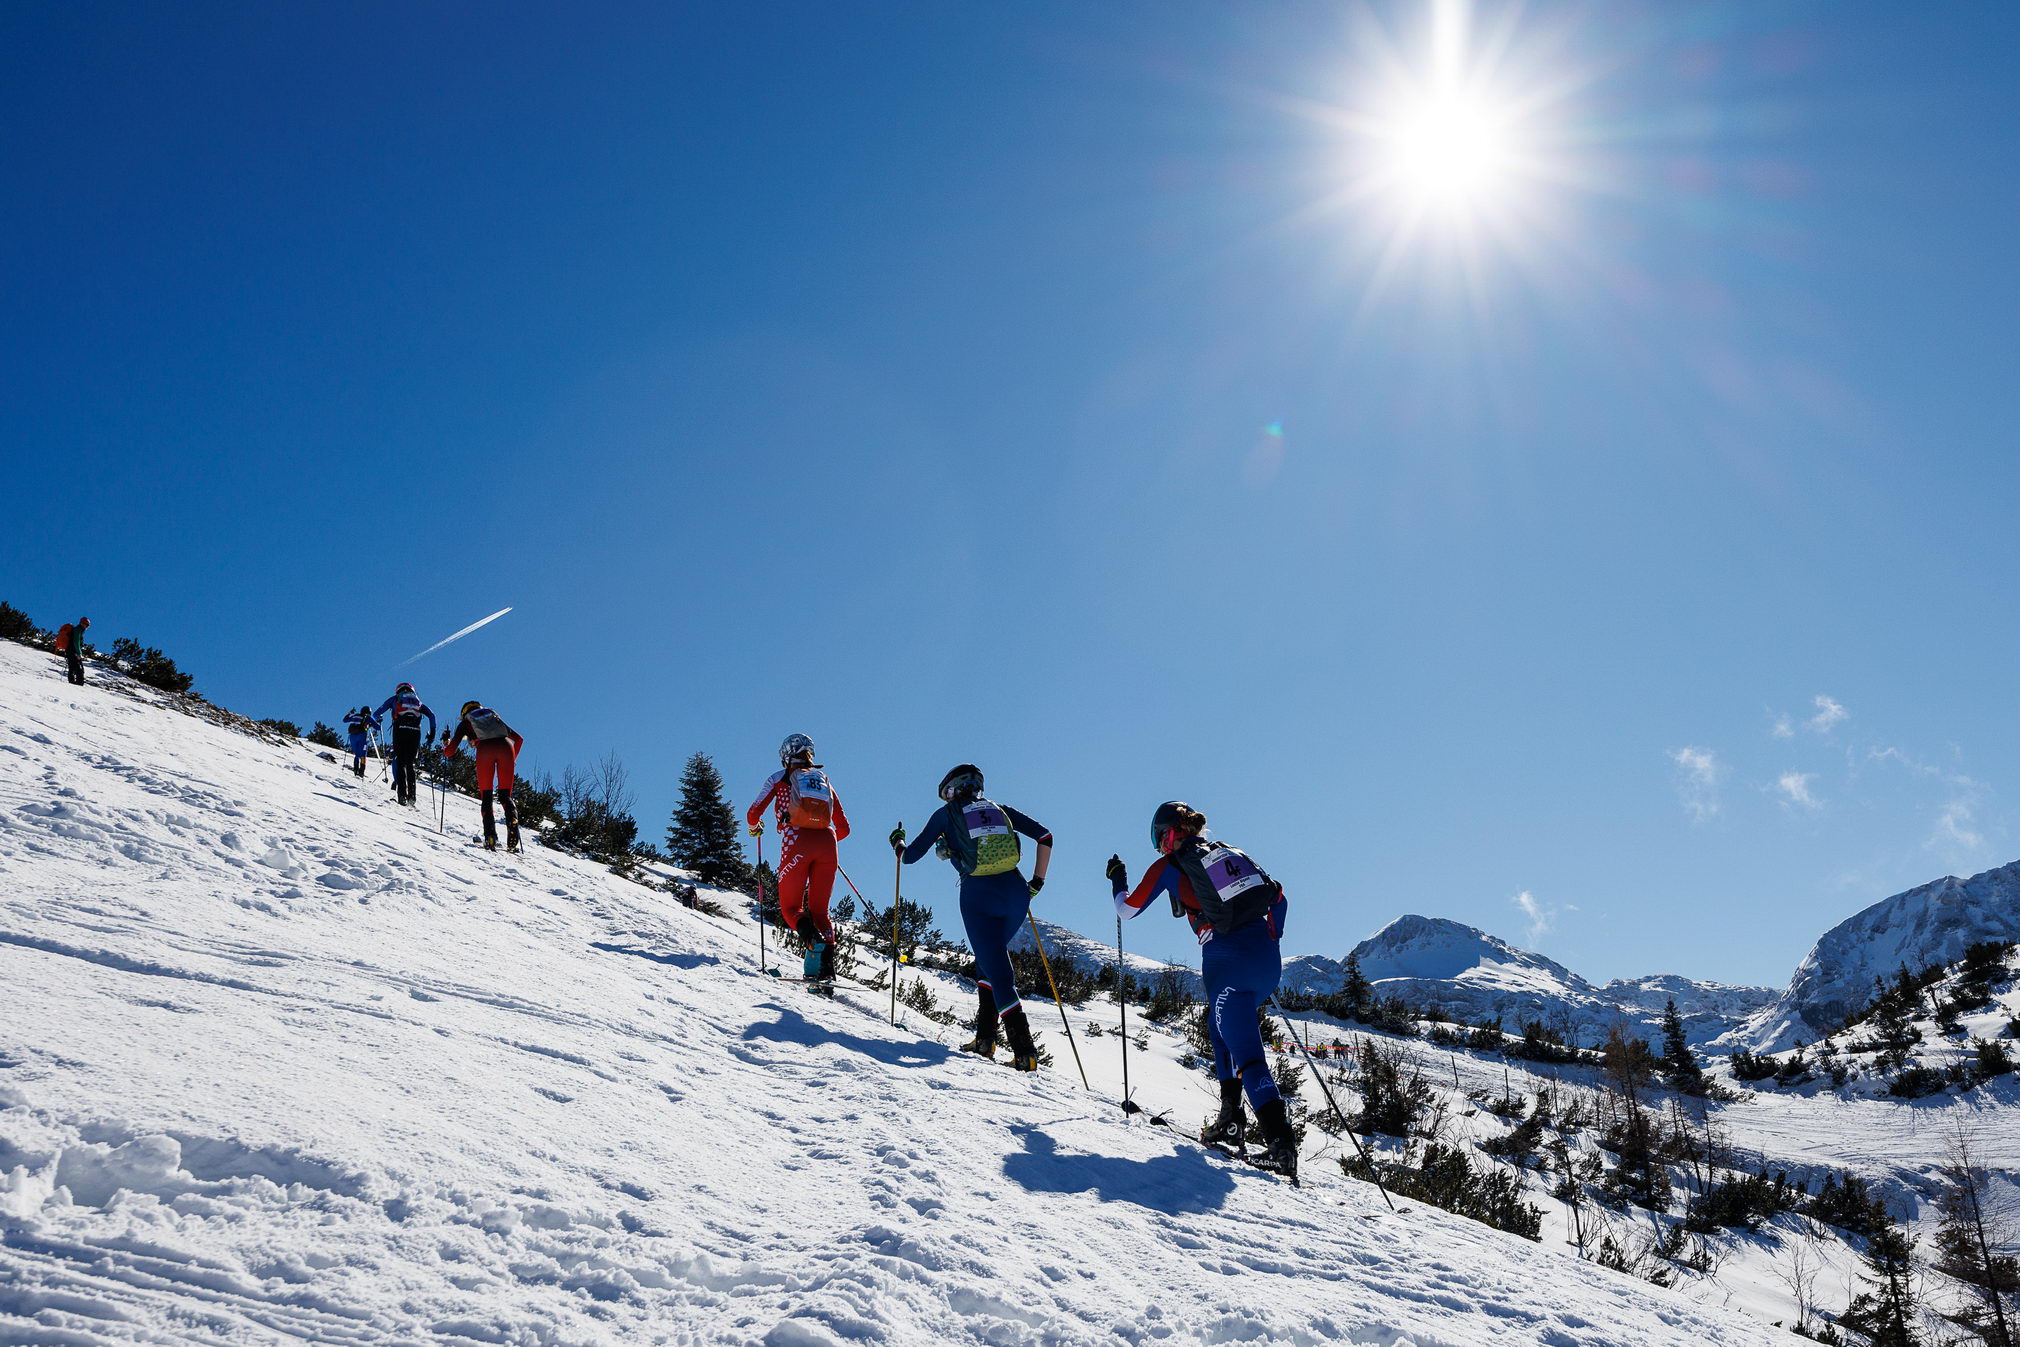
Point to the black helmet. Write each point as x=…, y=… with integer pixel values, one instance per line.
x=1171, y=816
x=965, y=779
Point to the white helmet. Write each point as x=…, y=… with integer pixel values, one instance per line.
x=796, y=746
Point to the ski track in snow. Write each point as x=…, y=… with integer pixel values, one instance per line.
x=281, y=1064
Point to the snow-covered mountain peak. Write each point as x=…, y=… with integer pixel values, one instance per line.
x=1415, y=946
x=1930, y=924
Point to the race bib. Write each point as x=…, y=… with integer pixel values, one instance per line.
x=1229, y=872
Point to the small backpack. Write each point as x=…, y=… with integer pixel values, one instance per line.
x=63, y=639
x=485, y=724
x=984, y=841
x=810, y=798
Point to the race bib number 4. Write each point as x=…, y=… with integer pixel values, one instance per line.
x=1229, y=872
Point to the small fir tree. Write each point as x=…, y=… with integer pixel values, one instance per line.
x=702, y=836
x=14, y=624
x=1357, y=994
x=1678, y=1062
x=1886, y=1312
x=324, y=735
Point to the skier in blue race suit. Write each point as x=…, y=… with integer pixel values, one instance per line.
x=360, y=722
x=979, y=837
x=407, y=708
x=1237, y=911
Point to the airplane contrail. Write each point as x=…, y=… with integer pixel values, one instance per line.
x=457, y=637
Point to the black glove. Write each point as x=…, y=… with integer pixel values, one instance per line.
x=898, y=839
x=1118, y=873
x=1037, y=883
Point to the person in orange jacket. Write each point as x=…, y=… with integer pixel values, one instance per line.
x=497, y=745
x=810, y=822
x=70, y=645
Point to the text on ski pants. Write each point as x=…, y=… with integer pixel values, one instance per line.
x=806, y=879
x=993, y=909
x=1241, y=969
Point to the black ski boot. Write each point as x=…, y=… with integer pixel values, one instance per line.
x=1017, y=1032
x=490, y=825
x=1230, y=1128
x=983, y=1044
x=511, y=820
x=1274, y=1120
x=824, y=968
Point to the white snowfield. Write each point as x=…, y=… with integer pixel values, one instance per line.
x=280, y=1063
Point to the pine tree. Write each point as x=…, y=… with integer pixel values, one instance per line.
x=1968, y=1244
x=1356, y=991
x=701, y=837
x=1886, y=1314
x=1678, y=1062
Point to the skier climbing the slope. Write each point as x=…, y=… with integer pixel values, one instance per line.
x=810, y=822
x=408, y=709
x=360, y=722
x=1237, y=911
x=980, y=837
x=497, y=747
x=70, y=645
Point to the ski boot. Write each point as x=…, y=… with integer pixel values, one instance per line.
x=490, y=840
x=817, y=966
x=1282, y=1157
x=512, y=837
x=1017, y=1031
x=983, y=1044
x=1230, y=1128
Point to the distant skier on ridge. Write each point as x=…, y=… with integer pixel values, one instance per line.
x=810, y=822
x=980, y=837
x=360, y=722
x=1237, y=911
x=70, y=645
x=497, y=747
x=407, y=708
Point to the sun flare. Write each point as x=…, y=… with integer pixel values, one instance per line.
x=1450, y=150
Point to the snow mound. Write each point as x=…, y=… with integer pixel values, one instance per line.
x=282, y=1063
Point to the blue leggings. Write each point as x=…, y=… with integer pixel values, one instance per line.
x=993, y=907
x=1241, y=969
x=358, y=746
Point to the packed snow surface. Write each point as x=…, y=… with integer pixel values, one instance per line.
x=283, y=1064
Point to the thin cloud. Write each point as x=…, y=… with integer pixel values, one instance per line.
x=1830, y=714
x=1956, y=836
x=1541, y=916
x=1783, y=728
x=1700, y=774
x=1795, y=789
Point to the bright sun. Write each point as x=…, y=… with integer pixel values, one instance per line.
x=1450, y=150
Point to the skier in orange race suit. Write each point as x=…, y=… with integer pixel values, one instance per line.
x=810, y=821
x=497, y=745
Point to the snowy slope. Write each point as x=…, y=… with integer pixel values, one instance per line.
x=1928, y=925
x=281, y=1064
x=1467, y=974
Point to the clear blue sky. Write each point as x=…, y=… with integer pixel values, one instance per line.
x=906, y=375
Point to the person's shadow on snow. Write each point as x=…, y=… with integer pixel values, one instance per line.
x=670, y=960
x=793, y=1027
x=1176, y=1184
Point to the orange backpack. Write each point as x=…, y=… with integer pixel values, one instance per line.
x=63, y=639
x=810, y=798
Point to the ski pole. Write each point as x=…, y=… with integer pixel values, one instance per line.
x=760, y=913
x=897, y=897
x=1046, y=964
x=1122, y=999
x=1374, y=1174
